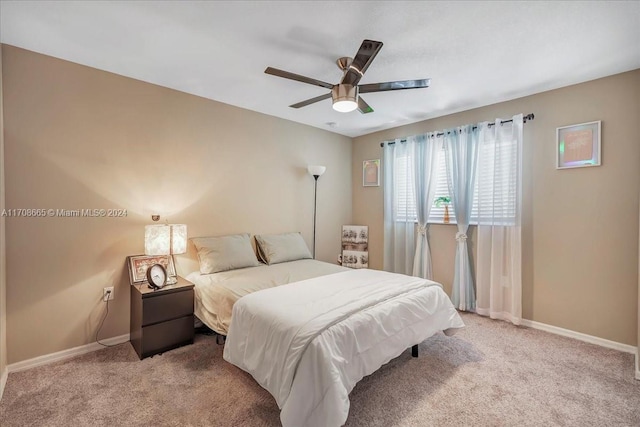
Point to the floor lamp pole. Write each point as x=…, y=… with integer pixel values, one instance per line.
x=315, y=171
x=315, y=203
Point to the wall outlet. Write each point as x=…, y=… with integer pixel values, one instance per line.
x=106, y=295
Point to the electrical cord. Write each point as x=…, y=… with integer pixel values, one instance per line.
x=102, y=323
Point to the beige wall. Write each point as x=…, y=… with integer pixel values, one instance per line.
x=580, y=254
x=80, y=138
x=3, y=269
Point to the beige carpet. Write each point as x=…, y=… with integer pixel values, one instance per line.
x=489, y=374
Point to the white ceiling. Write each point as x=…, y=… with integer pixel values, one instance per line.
x=476, y=53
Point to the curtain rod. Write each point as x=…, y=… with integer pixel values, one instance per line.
x=529, y=116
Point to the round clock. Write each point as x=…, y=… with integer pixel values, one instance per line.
x=157, y=276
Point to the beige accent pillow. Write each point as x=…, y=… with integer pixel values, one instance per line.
x=225, y=253
x=277, y=248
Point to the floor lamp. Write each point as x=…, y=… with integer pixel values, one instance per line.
x=315, y=171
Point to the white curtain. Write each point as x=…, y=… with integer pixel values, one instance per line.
x=461, y=152
x=426, y=150
x=399, y=206
x=499, y=247
x=410, y=167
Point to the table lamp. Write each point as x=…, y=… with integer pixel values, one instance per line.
x=165, y=239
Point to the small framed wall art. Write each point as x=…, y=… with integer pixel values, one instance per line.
x=578, y=146
x=355, y=246
x=371, y=173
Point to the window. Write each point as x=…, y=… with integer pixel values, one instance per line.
x=442, y=189
x=495, y=193
x=405, y=200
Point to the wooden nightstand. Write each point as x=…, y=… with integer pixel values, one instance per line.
x=162, y=319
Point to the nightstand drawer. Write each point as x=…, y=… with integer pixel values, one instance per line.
x=167, y=335
x=167, y=306
x=161, y=319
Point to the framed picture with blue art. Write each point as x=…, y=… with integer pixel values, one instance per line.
x=578, y=146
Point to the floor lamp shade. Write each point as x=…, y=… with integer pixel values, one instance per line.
x=316, y=170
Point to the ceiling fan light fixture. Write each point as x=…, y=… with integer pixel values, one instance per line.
x=345, y=97
x=346, y=94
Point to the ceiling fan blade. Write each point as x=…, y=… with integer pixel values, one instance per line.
x=404, y=84
x=363, y=107
x=297, y=77
x=367, y=52
x=311, y=101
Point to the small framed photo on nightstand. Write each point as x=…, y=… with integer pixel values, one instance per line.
x=138, y=265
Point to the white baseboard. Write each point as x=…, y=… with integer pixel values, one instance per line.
x=65, y=354
x=583, y=337
x=638, y=364
x=3, y=380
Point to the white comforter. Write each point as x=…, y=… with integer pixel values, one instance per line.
x=308, y=343
x=215, y=294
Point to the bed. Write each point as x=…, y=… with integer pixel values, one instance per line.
x=216, y=293
x=308, y=331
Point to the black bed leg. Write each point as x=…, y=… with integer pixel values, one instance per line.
x=220, y=339
x=414, y=351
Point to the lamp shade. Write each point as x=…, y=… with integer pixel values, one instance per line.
x=178, y=238
x=316, y=170
x=165, y=239
x=157, y=240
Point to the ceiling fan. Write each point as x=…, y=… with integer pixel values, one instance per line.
x=345, y=95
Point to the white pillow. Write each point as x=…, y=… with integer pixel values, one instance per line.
x=277, y=248
x=225, y=253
